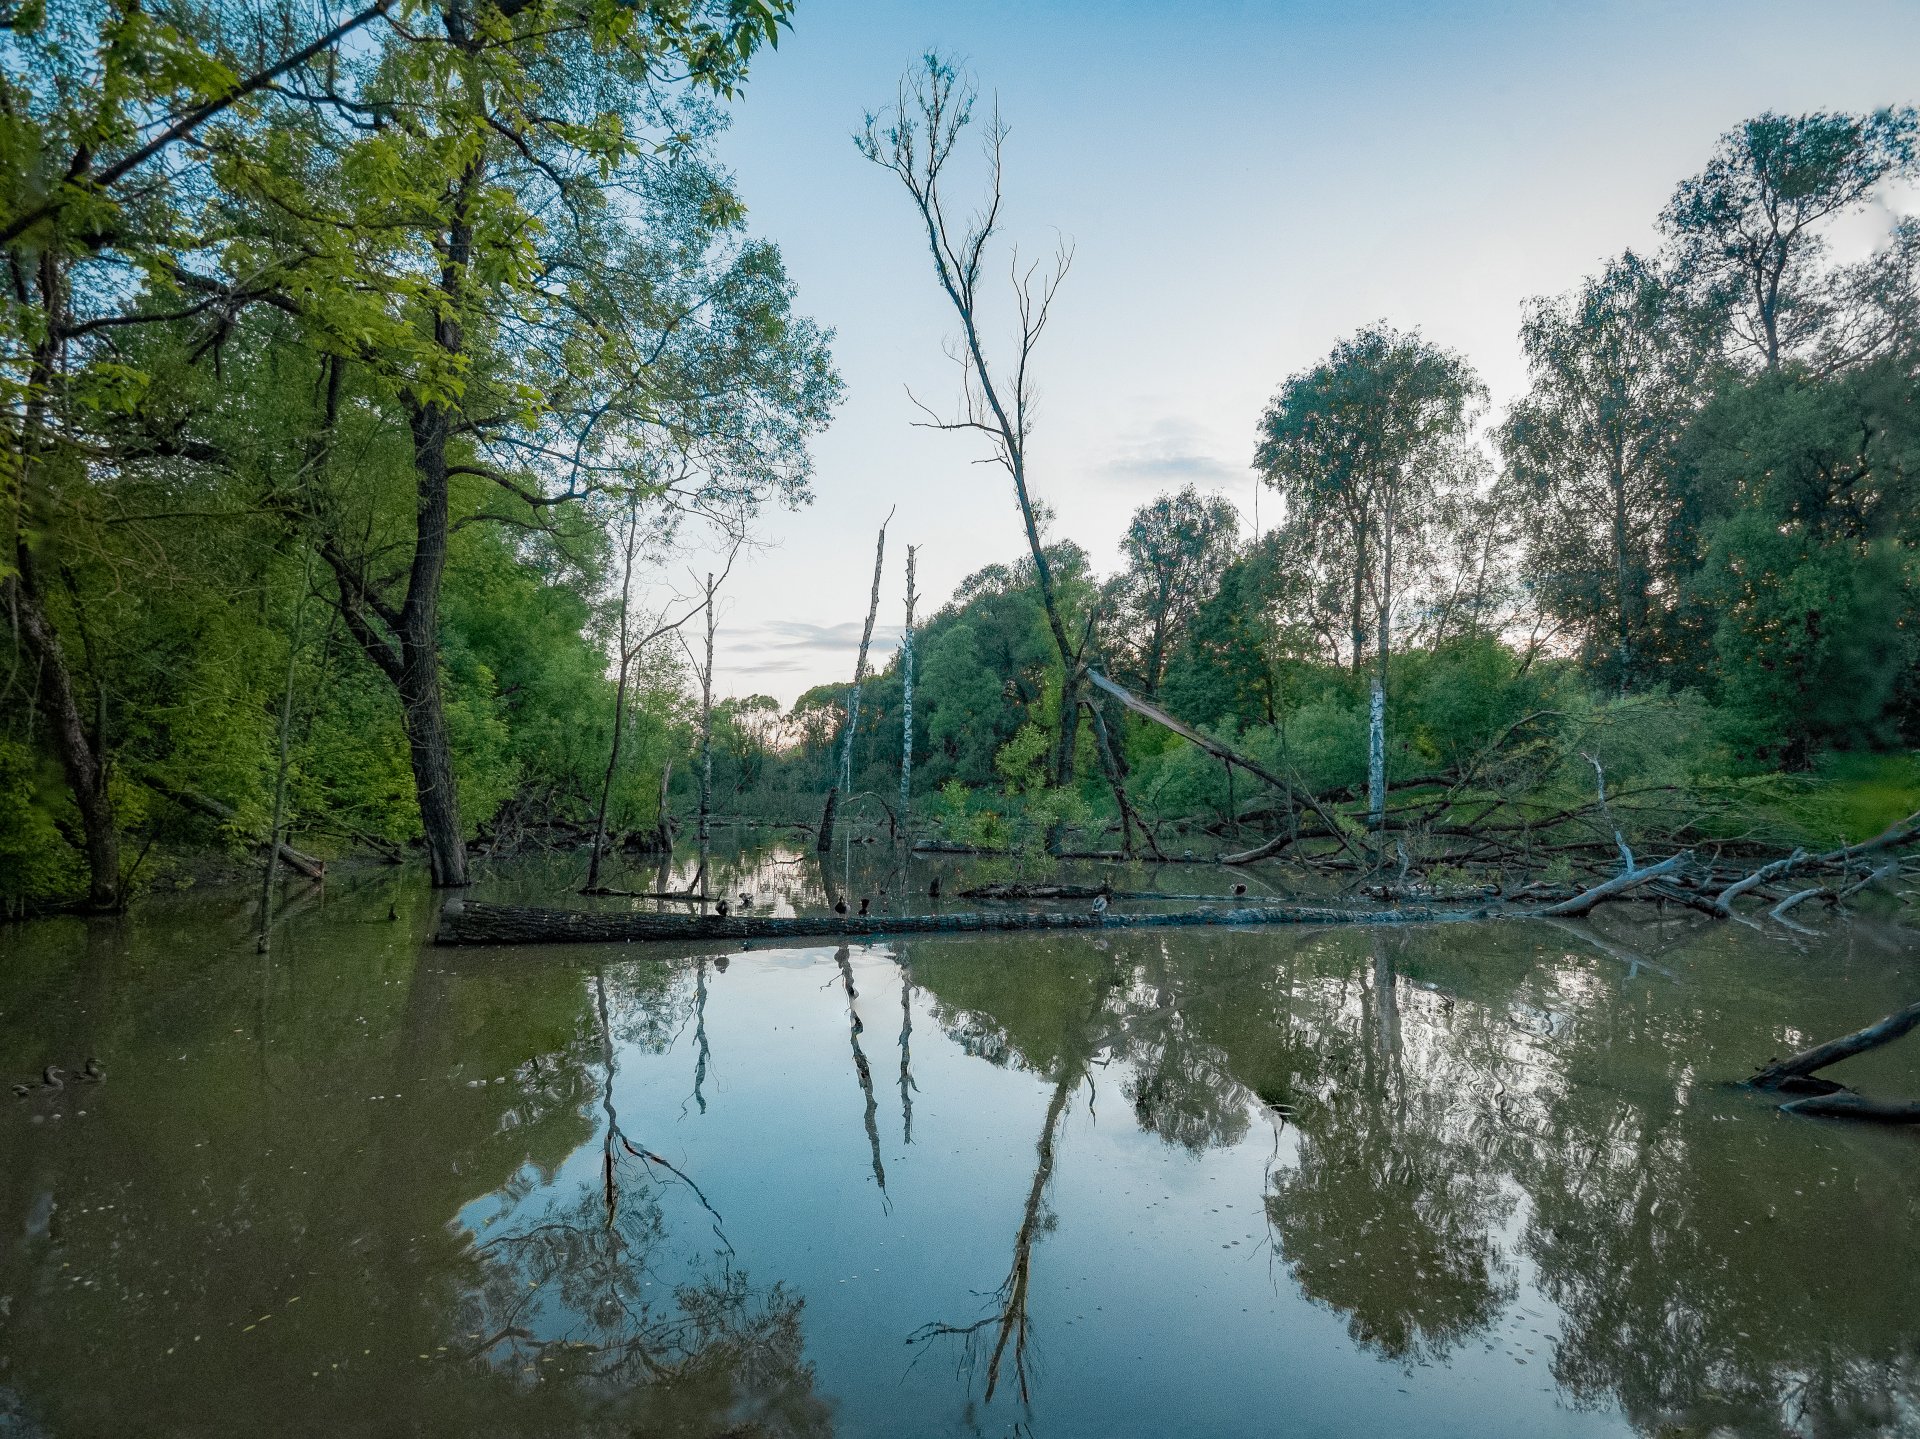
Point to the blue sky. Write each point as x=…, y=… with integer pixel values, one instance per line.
x=1242, y=185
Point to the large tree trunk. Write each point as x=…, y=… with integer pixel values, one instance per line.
x=423, y=711
x=85, y=767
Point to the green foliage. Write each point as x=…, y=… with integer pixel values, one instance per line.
x=36, y=862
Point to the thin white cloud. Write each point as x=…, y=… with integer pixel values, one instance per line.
x=1170, y=452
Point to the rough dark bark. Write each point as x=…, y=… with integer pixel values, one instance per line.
x=86, y=769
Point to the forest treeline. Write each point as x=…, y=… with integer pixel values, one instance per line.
x=361, y=371
x=1681, y=564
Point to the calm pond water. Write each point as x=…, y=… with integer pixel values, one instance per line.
x=1461, y=1181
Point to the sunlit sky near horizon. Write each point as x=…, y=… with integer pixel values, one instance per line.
x=1242, y=185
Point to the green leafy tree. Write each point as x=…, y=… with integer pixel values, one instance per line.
x=1747, y=228
x=1808, y=556
x=1617, y=371
x=1176, y=550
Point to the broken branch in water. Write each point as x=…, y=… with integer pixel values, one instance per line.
x=1826, y=1099
x=1620, y=883
x=1781, y=1072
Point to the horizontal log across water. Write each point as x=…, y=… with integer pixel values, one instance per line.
x=470, y=923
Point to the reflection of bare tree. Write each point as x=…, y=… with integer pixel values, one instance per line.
x=615, y=1145
x=589, y=1290
x=1008, y=1324
x=842, y=957
x=570, y=1297
x=700, y=1032
x=907, y=1086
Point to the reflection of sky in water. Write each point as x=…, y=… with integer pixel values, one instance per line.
x=1155, y=1279
x=1460, y=1181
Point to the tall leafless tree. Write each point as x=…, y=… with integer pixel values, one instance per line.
x=916, y=141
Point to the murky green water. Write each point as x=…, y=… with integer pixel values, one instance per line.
x=1461, y=1181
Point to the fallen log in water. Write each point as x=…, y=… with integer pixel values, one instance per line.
x=468, y=923
x=1092, y=891
x=1035, y=891
x=1809, y=1061
x=1799, y=1074
x=1845, y=1104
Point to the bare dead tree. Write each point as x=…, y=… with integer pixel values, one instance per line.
x=916, y=141
x=845, y=778
x=631, y=643
x=906, y=700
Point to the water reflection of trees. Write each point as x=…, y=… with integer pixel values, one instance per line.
x=1075, y=1039
x=287, y=1194
x=1388, y=1211
x=1458, y=1115
x=603, y=1288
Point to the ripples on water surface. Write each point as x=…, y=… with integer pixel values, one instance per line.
x=1460, y=1181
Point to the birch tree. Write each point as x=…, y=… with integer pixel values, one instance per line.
x=1358, y=446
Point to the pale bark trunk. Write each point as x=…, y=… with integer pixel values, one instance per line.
x=1377, y=760
x=906, y=701
x=706, y=730
x=845, y=779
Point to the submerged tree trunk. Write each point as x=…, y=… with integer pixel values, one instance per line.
x=486, y=924
x=845, y=777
